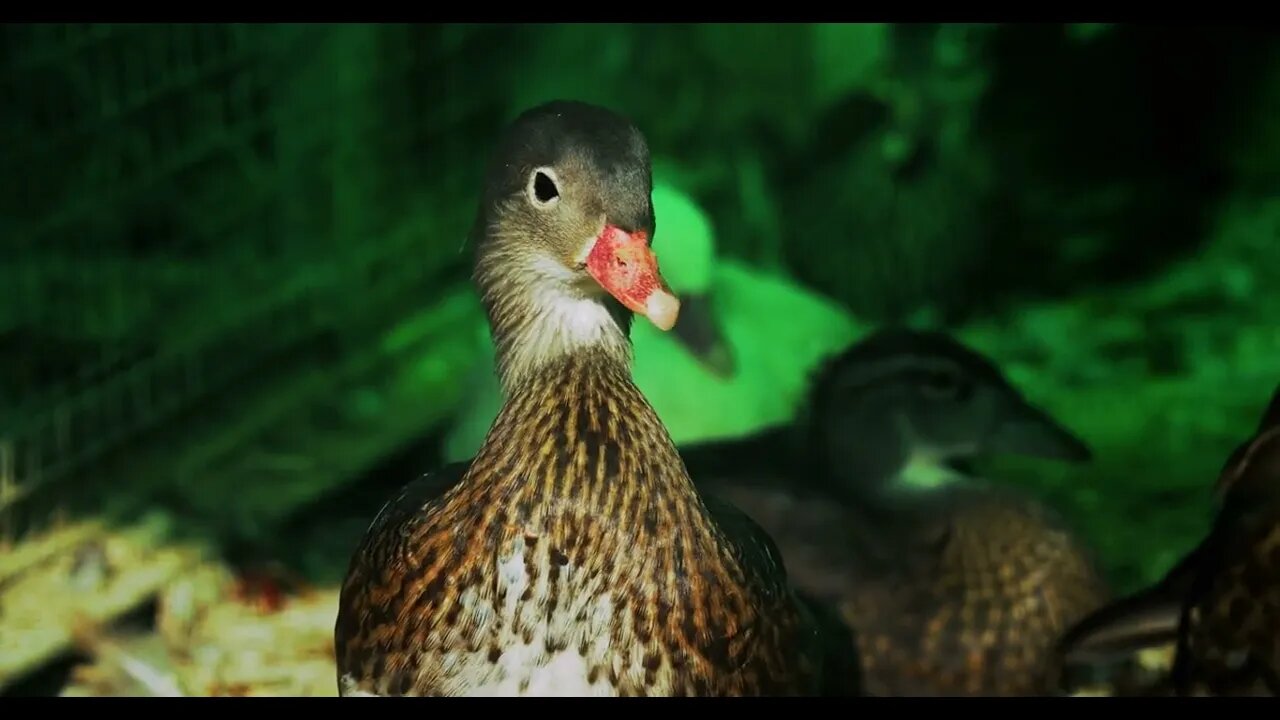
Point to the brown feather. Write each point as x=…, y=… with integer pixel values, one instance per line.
x=580, y=471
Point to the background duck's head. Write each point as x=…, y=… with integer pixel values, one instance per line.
x=1254, y=466
x=898, y=409
x=689, y=267
x=563, y=232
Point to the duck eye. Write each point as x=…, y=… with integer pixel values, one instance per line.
x=543, y=190
x=943, y=385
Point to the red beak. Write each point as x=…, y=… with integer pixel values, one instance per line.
x=627, y=269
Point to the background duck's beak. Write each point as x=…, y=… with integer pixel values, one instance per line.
x=1262, y=450
x=1029, y=431
x=700, y=334
x=1271, y=416
x=1122, y=628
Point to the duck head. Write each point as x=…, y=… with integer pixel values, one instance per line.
x=897, y=410
x=562, y=239
x=1253, y=468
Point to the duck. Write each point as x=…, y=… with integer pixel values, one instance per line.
x=952, y=584
x=1219, y=605
x=572, y=555
x=744, y=344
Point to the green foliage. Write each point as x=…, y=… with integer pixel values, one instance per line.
x=187, y=208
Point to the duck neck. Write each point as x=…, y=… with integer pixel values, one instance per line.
x=875, y=464
x=573, y=423
x=541, y=314
x=579, y=429
x=919, y=490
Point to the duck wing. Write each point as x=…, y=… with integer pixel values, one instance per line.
x=376, y=570
x=823, y=647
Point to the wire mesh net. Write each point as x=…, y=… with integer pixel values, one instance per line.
x=187, y=201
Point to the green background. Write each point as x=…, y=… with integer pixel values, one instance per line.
x=233, y=281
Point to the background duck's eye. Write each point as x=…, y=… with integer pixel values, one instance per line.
x=543, y=187
x=942, y=385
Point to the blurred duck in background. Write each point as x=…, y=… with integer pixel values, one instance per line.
x=953, y=584
x=1220, y=605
